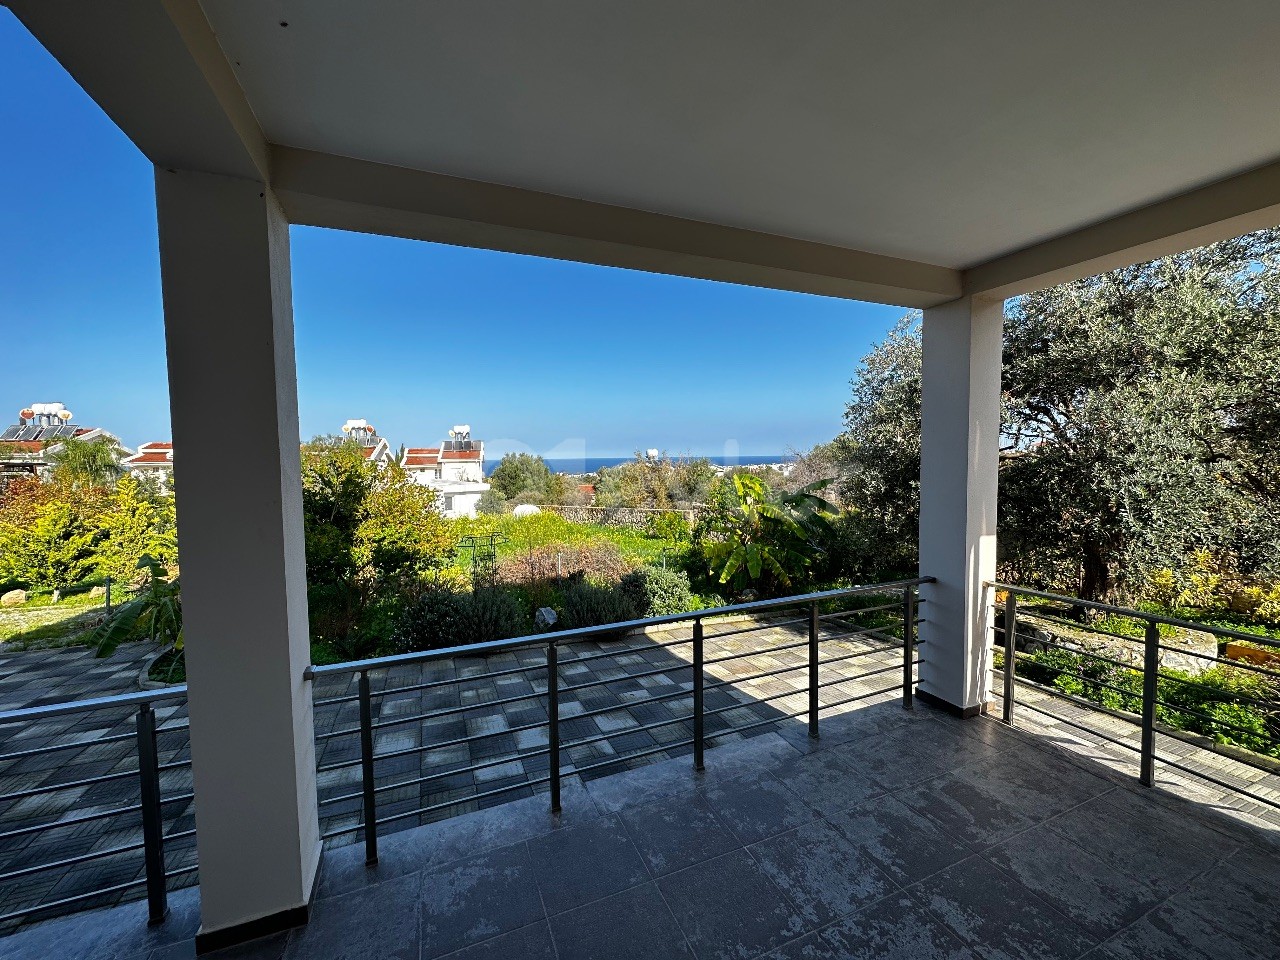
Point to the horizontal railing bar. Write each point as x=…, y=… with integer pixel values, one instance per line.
x=888, y=648
x=431, y=684
x=1225, y=661
x=612, y=708
x=497, y=791
x=75, y=821
x=1137, y=614
x=864, y=632
x=756, y=653
x=78, y=898
x=582, y=633
x=401, y=784
x=770, y=625
x=1227, y=724
x=1214, y=780
x=1084, y=653
x=71, y=861
x=451, y=712
x=427, y=748
x=69, y=785
x=626, y=651
x=1118, y=741
x=38, y=751
x=862, y=676
x=1060, y=672
x=1025, y=613
x=862, y=696
x=605, y=681
x=731, y=681
x=855, y=611
x=33, y=714
x=1219, y=696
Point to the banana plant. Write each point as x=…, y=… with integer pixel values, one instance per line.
x=762, y=541
x=155, y=614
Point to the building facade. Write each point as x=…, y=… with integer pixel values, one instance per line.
x=31, y=445
x=454, y=469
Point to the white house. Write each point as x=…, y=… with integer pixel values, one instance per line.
x=375, y=448
x=153, y=459
x=455, y=470
x=27, y=447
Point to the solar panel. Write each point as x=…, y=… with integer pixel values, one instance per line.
x=12, y=433
x=66, y=430
x=30, y=433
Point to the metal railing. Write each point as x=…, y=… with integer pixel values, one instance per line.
x=878, y=639
x=1019, y=617
x=147, y=811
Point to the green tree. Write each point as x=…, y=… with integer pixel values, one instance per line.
x=56, y=548
x=521, y=473
x=138, y=523
x=372, y=536
x=78, y=463
x=1139, y=413
x=661, y=483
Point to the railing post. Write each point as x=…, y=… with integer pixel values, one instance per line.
x=814, y=663
x=1010, y=652
x=1150, y=674
x=699, y=729
x=553, y=721
x=152, y=815
x=908, y=645
x=366, y=771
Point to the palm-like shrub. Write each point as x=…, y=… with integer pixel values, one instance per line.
x=155, y=614
x=761, y=542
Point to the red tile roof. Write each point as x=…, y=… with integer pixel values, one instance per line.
x=460, y=455
x=155, y=445
x=148, y=456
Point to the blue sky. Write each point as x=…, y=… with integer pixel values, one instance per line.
x=557, y=358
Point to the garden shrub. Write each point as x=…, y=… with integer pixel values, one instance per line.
x=668, y=525
x=449, y=618
x=657, y=592
x=1229, y=705
x=586, y=604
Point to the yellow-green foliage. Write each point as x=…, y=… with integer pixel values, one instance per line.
x=524, y=534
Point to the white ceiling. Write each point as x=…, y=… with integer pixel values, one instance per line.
x=936, y=130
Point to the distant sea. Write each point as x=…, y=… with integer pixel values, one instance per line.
x=592, y=464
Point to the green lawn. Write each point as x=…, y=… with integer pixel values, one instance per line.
x=542, y=529
x=40, y=624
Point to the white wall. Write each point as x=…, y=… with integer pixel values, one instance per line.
x=960, y=449
x=224, y=256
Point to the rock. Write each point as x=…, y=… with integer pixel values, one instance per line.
x=98, y=591
x=14, y=598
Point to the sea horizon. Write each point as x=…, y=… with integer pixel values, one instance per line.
x=580, y=465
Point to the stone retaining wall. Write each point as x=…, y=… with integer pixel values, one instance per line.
x=635, y=517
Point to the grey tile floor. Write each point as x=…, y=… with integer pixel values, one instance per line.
x=599, y=702
x=899, y=834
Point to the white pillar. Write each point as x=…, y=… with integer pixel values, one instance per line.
x=224, y=257
x=959, y=452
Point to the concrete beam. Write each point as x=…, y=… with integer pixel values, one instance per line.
x=327, y=191
x=1220, y=211
x=155, y=68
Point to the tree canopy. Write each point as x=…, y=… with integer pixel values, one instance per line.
x=1140, y=415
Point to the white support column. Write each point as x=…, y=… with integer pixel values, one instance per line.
x=960, y=448
x=224, y=256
